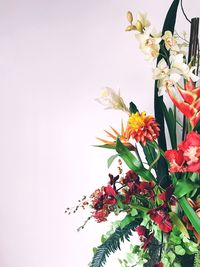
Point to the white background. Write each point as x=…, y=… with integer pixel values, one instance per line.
x=55, y=57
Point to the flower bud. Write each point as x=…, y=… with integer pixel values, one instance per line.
x=130, y=28
x=139, y=26
x=130, y=17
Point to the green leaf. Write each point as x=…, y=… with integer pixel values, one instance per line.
x=106, y=146
x=132, y=162
x=189, y=212
x=171, y=256
x=128, y=219
x=183, y=187
x=179, y=250
x=133, y=212
x=111, y=159
x=138, y=207
x=197, y=127
x=133, y=108
x=171, y=125
x=176, y=221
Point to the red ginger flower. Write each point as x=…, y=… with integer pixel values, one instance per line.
x=143, y=128
x=187, y=158
x=190, y=106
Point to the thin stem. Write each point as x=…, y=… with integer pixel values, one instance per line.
x=156, y=159
x=184, y=12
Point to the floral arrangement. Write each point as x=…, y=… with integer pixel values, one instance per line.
x=159, y=193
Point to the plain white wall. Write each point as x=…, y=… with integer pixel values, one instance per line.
x=55, y=56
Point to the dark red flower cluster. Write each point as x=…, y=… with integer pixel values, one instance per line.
x=187, y=158
x=168, y=196
x=102, y=201
x=145, y=236
x=136, y=187
x=160, y=216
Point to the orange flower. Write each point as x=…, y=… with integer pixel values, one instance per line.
x=124, y=137
x=143, y=128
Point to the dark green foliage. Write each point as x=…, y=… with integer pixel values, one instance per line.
x=197, y=259
x=133, y=108
x=197, y=127
x=162, y=172
x=113, y=243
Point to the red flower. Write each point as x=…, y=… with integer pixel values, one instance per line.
x=168, y=196
x=190, y=106
x=144, y=235
x=143, y=128
x=130, y=177
x=109, y=196
x=161, y=218
x=147, y=189
x=176, y=160
x=187, y=158
x=102, y=201
x=141, y=230
x=101, y=215
x=159, y=264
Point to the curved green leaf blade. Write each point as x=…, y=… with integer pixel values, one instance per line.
x=132, y=162
x=190, y=213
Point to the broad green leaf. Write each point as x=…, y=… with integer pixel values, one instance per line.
x=132, y=162
x=183, y=187
x=111, y=159
x=190, y=213
x=176, y=221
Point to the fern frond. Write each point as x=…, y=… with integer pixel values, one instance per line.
x=197, y=259
x=113, y=243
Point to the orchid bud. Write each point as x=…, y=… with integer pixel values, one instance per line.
x=130, y=28
x=139, y=26
x=130, y=17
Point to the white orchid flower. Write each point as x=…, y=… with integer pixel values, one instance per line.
x=178, y=67
x=170, y=41
x=149, y=45
x=161, y=71
x=112, y=100
x=164, y=85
